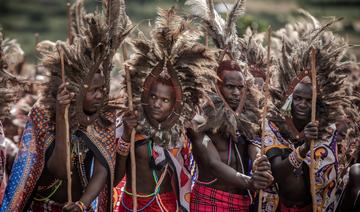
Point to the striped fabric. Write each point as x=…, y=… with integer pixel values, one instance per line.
x=205, y=199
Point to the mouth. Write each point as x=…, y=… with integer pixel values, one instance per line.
x=233, y=102
x=155, y=112
x=97, y=105
x=301, y=113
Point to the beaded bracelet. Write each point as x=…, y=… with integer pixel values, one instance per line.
x=294, y=160
x=123, y=148
x=81, y=205
x=298, y=154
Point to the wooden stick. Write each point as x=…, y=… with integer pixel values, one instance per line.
x=313, y=119
x=265, y=109
x=67, y=138
x=132, y=141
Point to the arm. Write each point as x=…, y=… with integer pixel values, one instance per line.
x=93, y=189
x=57, y=160
x=129, y=122
x=210, y=157
x=283, y=170
x=253, y=151
x=120, y=168
x=96, y=183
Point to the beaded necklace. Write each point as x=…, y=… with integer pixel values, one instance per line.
x=155, y=194
x=79, y=152
x=56, y=185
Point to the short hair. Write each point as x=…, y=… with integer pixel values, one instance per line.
x=228, y=65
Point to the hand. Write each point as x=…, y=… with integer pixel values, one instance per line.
x=130, y=120
x=63, y=98
x=71, y=207
x=311, y=131
x=262, y=176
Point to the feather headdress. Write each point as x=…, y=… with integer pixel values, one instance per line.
x=96, y=37
x=11, y=87
x=254, y=53
x=295, y=64
x=224, y=34
x=172, y=50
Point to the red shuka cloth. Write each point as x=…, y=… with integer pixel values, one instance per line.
x=49, y=206
x=209, y=199
x=168, y=199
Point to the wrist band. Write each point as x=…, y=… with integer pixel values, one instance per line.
x=298, y=154
x=294, y=160
x=81, y=205
x=123, y=148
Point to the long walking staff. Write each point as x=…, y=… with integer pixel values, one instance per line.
x=132, y=138
x=313, y=119
x=265, y=109
x=67, y=139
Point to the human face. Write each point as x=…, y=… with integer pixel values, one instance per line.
x=94, y=97
x=301, y=105
x=162, y=100
x=232, y=87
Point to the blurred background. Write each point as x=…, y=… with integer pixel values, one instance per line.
x=22, y=19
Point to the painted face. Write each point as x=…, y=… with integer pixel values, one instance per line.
x=94, y=96
x=232, y=87
x=161, y=102
x=301, y=105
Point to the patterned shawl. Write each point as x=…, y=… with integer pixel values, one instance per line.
x=38, y=136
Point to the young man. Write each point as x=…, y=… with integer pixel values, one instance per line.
x=38, y=181
x=289, y=130
x=161, y=103
x=167, y=75
x=223, y=147
x=223, y=158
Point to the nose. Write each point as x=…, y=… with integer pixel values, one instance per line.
x=236, y=92
x=157, y=103
x=303, y=103
x=98, y=95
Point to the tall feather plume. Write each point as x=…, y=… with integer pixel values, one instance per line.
x=225, y=38
x=174, y=40
x=97, y=36
x=215, y=24
x=237, y=10
x=77, y=13
x=211, y=9
x=333, y=98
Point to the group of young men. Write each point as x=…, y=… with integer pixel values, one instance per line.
x=197, y=112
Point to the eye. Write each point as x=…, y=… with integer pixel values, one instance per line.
x=166, y=100
x=153, y=97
